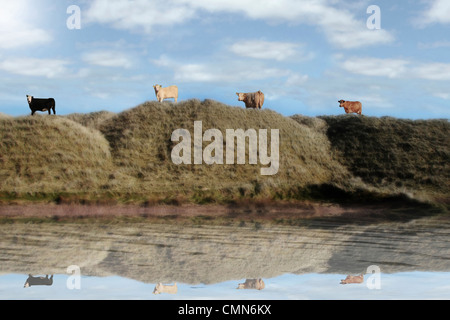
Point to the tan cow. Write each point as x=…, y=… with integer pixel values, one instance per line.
x=166, y=93
x=353, y=279
x=254, y=100
x=257, y=284
x=38, y=281
x=351, y=106
x=160, y=288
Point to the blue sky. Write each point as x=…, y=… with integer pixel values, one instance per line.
x=305, y=55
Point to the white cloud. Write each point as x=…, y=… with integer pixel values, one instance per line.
x=391, y=68
x=269, y=50
x=34, y=67
x=339, y=25
x=351, y=36
x=442, y=95
x=434, y=45
x=16, y=30
x=23, y=37
x=229, y=72
x=438, y=12
x=396, y=68
x=108, y=59
x=296, y=79
x=138, y=14
x=222, y=70
x=433, y=71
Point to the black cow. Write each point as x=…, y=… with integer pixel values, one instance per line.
x=38, y=281
x=41, y=105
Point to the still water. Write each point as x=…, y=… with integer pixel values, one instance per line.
x=125, y=260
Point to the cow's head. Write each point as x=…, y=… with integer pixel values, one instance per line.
x=157, y=87
x=158, y=288
x=341, y=103
x=241, y=96
x=29, y=98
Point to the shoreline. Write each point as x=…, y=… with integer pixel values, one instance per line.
x=278, y=212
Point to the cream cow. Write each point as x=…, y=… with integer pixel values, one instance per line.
x=166, y=93
x=160, y=288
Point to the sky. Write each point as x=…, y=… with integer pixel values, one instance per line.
x=305, y=55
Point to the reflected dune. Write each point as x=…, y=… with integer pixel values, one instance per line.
x=192, y=254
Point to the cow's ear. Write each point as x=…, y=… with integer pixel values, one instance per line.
x=237, y=94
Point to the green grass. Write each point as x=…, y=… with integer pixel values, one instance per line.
x=126, y=157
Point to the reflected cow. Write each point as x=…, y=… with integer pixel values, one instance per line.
x=161, y=288
x=38, y=281
x=257, y=284
x=353, y=279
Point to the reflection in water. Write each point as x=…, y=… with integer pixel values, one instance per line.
x=353, y=279
x=206, y=254
x=160, y=288
x=257, y=284
x=38, y=281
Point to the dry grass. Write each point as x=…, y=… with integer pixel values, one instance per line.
x=91, y=120
x=126, y=157
x=141, y=148
x=43, y=154
x=394, y=154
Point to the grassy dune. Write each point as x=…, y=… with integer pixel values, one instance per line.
x=395, y=154
x=126, y=157
x=51, y=155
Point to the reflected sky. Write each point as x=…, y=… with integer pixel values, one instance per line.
x=126, y=260
x=403, y=285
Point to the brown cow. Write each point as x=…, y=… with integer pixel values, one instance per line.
x=254, y=100
x=353, y=279
x=351, y=106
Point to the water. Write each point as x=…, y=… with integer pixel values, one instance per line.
x=125, y=260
